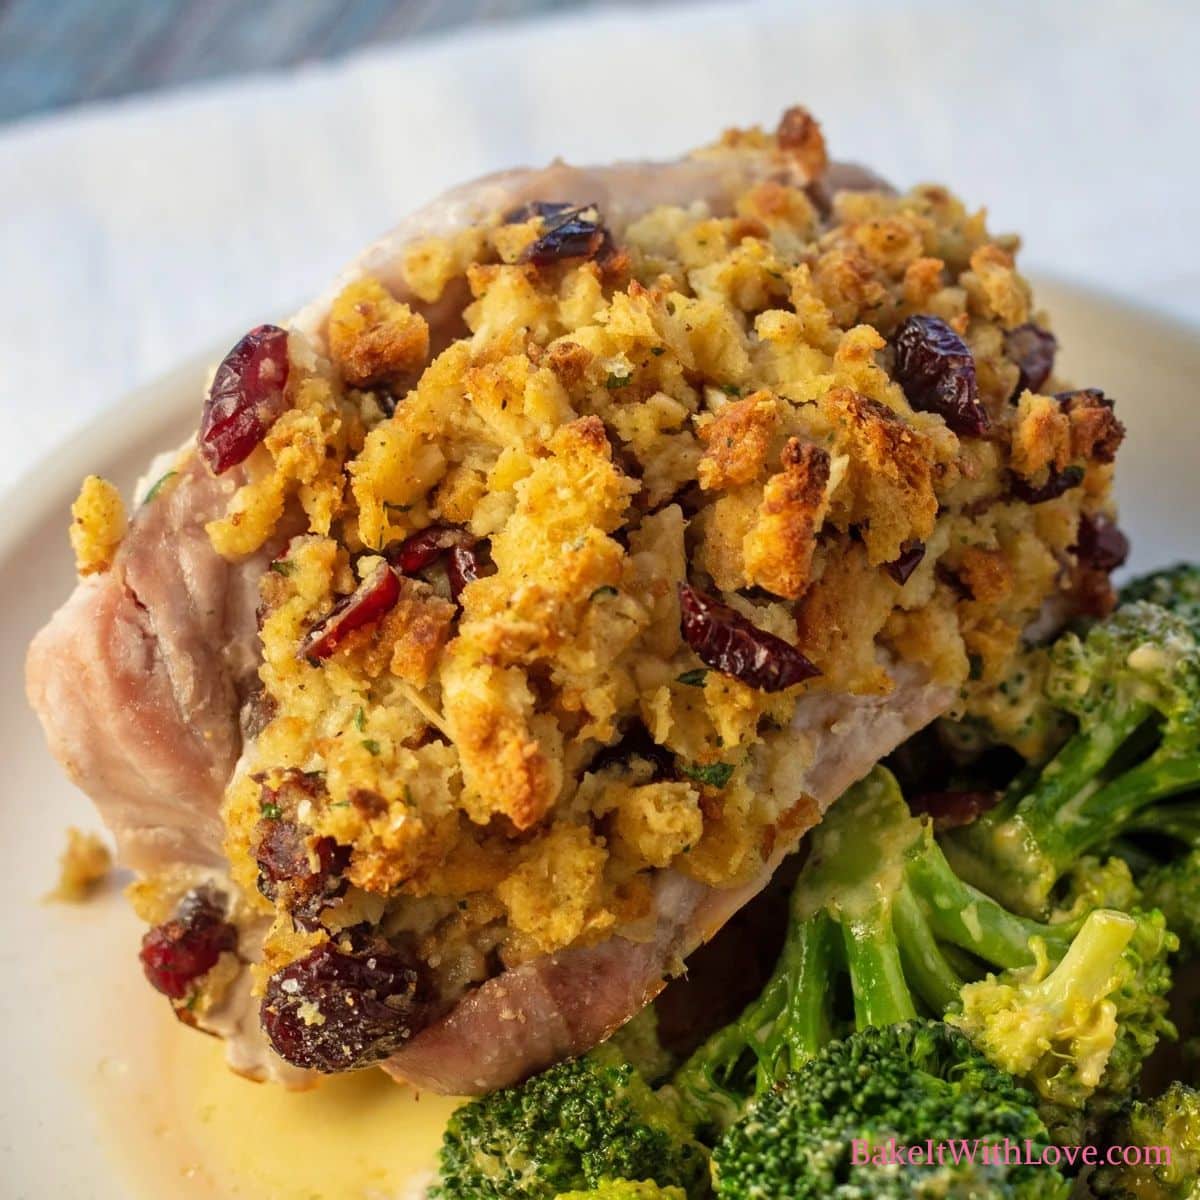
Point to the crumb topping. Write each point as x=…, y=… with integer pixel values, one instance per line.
x=98, y=525
x=84, y=863
x=510, y=737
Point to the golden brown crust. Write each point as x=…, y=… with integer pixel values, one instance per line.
x=1042, y=438
x=799, y=134
x=736, y=441
x=1096, y=433
x=890, y=492
x=373, y=339
x=413, y=634
x=779, y=548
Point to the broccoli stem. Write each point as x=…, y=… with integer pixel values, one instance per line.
x=1075, y=767
x=1093, y=819
x=813, y=952
x=971, y=920
x=1179, y=821
x=932, y=976
x=881, y=995
x=1091, y=962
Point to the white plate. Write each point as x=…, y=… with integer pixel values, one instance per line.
x=79, y=1030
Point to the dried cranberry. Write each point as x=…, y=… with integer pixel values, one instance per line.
x=1057, y=482
x=257, y=712
x=331, y=1011
x=425, y=548
x=910, y=558
x=935, y=368
x=724, y=640
x=246, y=398
x=374, y=598
x=1100, y=543
x=952, y=809
x=178, y=952
x=570, y=233
x=636, y=742
x=536, y=208
x=462, y=568
x=1032, y=348
x=285, y=868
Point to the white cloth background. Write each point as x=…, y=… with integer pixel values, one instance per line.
x=135, y=234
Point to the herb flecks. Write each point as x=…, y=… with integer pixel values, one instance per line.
x=158, y=485
x=714, y=775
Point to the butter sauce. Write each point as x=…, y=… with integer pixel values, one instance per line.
x=179, y=1123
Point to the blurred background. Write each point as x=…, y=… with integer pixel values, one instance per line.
x=172, y=171
x=72, y=51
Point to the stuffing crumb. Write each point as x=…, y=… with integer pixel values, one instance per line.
x=84, y=863
x=97, y=525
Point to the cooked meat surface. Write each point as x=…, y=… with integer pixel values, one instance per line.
x=137, y=678
x=523, y=602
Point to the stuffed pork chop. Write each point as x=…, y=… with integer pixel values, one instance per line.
x=520, y=605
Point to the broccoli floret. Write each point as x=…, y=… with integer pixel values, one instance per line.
x=1095, y=882
x=811, y=1136
x=638, y=1042
x=1079, y=1032
x=624, y=1189
x=1170, y=1121
x=878, y=912
x=1174, y=889
x=574, y=1127
x=1132, y=683
x=1176, y=588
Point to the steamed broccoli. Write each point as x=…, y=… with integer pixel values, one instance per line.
x=1174, y=889
x=624, y=1189
x=812, y=1136
x=1162, y=845
x=1078, y=1033
x=1176, y=588
x=576, y=1126
x=639, y=1044
x=1133, y=685
x=878, y=911
x=1170, y=1121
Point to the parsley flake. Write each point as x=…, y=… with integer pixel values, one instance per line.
x=693, y=678
x=157, y=487
x=714, y=775
x=371, y=746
